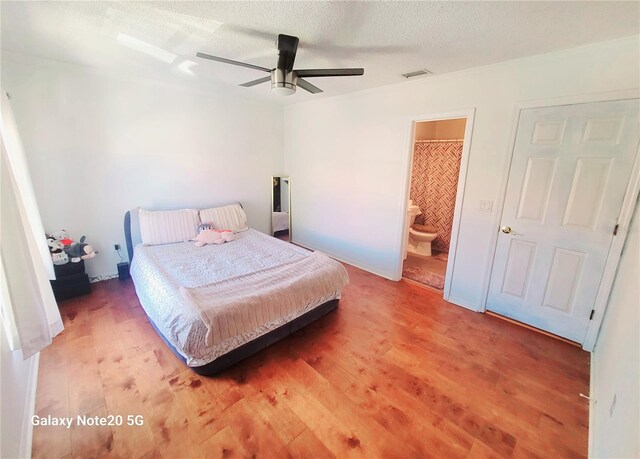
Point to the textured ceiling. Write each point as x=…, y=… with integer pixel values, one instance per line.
x=386, y=38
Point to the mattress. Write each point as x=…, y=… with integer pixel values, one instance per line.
x=162, y=273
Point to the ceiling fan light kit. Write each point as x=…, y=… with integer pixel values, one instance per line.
x=283, y=82
x=284, y=79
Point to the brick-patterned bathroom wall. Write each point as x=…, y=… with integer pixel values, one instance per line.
x=434, y=182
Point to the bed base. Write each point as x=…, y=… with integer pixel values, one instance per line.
x=280, y=233
x=248, y=349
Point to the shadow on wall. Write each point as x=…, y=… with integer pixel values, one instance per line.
x=434, y=175
x=348, y=252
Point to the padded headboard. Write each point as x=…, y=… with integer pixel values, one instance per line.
x=132, y=225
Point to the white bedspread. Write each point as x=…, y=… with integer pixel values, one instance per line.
x=159, y=272
x=280, y=221
x=241, y=304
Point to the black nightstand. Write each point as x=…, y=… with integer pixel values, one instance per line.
x=71, y=281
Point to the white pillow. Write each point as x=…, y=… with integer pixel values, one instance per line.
x=226, y=218
x=167, y=226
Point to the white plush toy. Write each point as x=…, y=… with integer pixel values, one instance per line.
x=63, y=237
x=60, y=258
x=212, y=236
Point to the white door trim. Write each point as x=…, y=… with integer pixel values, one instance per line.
x=26, y=439
x=614, y=252
x=469, y=114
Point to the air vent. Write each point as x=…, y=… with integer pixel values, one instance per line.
x=417, y=73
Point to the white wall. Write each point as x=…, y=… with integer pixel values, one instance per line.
x=99, y=144
x=348, y=155
x=441, y=130
x=615, y=363
x=17, y=395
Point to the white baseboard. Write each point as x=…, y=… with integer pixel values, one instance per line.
x=348, y=261
x=453, y=300
x=26, y=439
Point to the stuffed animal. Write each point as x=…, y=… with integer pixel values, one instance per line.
x=80, y=251
x=212, y=236
x=55, y=246
x=63, y=237
x=60, y=258
x=205, y=226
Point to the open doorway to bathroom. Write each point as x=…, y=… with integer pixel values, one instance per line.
x=435, y=170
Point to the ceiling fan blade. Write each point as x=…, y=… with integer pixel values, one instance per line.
x=287, y=49
x=248, y=84
x=309, y=73
x=308, y=86
x=229, y=61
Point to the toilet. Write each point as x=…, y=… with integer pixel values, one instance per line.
x=420, y=236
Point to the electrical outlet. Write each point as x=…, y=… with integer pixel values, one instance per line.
x=613, y=405
x=116, y=247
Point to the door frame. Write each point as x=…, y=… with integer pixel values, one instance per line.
x=469, y=115
x=624, y=218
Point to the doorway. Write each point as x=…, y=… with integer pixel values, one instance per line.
x=569, y=175
x=437, y=152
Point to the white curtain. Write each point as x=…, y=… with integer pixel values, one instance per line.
x=29, y=311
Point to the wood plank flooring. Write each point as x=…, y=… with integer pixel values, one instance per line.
x=395, y=371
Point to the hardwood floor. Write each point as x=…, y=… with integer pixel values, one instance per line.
x=394, y=372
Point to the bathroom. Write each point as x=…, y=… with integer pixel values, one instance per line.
x=435, y=169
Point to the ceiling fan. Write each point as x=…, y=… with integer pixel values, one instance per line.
x=284, y=79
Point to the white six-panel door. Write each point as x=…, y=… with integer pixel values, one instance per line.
x=570, y=169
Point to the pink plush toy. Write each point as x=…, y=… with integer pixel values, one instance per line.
x=211, y=236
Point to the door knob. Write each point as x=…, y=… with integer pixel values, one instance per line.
x=506, y=229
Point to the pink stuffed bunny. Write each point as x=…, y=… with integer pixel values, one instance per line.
x=211, y=236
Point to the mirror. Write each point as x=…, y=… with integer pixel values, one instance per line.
x=280, y=208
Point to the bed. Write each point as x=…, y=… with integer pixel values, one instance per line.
x=218, y=304
x=280, y=221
